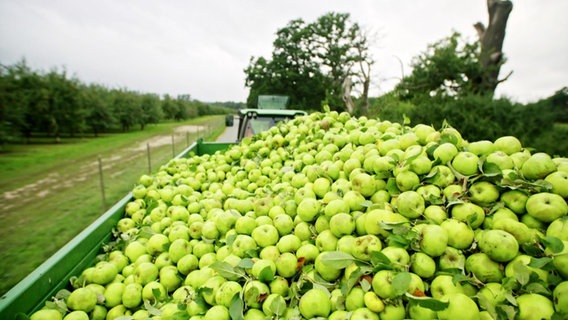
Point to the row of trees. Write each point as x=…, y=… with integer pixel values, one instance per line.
x=55, y=104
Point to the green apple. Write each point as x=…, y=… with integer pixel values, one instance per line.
x=308, y=252
x=415, y=311
x=398, y=256
x=394, y=311
x=410, y=204
x=288, y=243
x=157, y=244
x=483, y=193
x=460, y=235
x=244, y=244
x=519, y=230
x=321, y=186
x=253, y=292
x=187, y=263
x=169, y=278
x=445, y=152
x=315, y=303
x=560, y=261
x=283, y=223
x=346, y=243
x=441, y=176
x=431, y=193
x=407, y=180
x=76, y=315
x=364, y=184
x=460, y=307
x=481, y=147
x=354, y=199
x=433, y=239
x=113, y=294
x=500, y=159
x=466, y=163
x=559, y=182
x=534, y=306
x=103, y=273
x=420, y=165
x=217, y=312
x=265, y=235
x=326, y=241
x=560, y=298
x=499, y=245
x=364, y=313
x=336, y=206
x=382, y=284
x=435, y=214
x=342, y=224
x=212, y=284
x=226, y=292
x=376, y=219
x=274, y=305
x=422, y=265
x=538, y=166
x=484, y=269
x=82, y=299
x=515, y=200
x=178, y=249
x=308, y=209
x=558, y=228
x=46, y=314
x=327, y=272
x=117, y=312
x=508, y=144
x=245, y=225
x=280, y=286
x=355, y=299
x=364, y=245
x=286, y=264
x=132, y=295
x=145, y=272
x=469, y=213
x=442, y=286
x=546, y=206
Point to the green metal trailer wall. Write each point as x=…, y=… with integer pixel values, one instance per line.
x=32, y=292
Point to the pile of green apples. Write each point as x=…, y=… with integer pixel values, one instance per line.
x=336, y=217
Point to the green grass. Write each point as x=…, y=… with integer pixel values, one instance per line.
x=51, y=192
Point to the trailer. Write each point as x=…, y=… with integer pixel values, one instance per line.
x=30, y=294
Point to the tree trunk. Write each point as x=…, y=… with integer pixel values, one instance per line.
x=491, y=40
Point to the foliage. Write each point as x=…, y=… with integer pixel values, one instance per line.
x=449, y=67
x=309, y=62
x=53, y=104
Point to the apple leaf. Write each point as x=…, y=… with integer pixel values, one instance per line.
x=505, y=311
x=266, y=274
x=380, y=261
x=521, y=273
x=226, y=270
x=428, y=302
x=278, y=307
x=236, y=307
x=400, y=283
x=540, y=263
x=351, y=281
x=246, y=263
x=337, y=259
x=391, y=186
x=538, y=287
x=150, y=308
x=553, y=244
x=146, y=232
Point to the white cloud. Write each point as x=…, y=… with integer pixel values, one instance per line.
x=201, y=48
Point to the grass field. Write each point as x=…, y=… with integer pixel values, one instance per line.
x=50, y=192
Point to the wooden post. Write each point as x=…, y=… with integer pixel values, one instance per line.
x=149, y=160
x=173, y=146
x=102, y=184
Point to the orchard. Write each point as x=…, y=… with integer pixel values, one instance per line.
x=335, y=217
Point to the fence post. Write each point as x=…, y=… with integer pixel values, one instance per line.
x=187, y=139
x=149, y=160
x=102, y=184
x=173, y=146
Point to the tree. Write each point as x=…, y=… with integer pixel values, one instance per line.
x=491, y=40
x=313, y=63
x=445, y=69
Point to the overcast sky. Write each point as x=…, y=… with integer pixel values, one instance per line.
x=201, y=47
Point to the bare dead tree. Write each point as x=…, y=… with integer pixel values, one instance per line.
x=491, y=39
